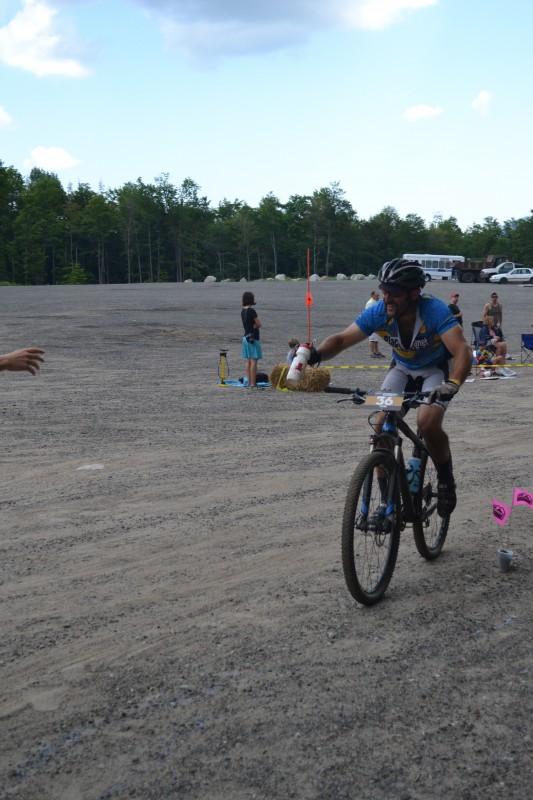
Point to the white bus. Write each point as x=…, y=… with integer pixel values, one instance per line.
x=437, y=267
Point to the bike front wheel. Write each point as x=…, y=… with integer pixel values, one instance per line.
x=429, y=529
x=371, y=528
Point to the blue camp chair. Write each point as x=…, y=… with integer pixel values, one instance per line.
x=526, y=347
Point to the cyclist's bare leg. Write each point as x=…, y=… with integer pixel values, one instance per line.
x=430, y=425
x=394, y=381
x=429, y=422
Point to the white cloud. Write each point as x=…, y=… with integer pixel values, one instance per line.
x=379, y=14
x=482, y=101
x=5, y=118
x=50, y=159
x=422, y=111
x=221, y=26
x=31, y=42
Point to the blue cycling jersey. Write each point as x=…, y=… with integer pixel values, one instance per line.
x=426, y=349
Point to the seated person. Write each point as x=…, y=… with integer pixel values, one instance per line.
x=294, y=344
x=491, y=339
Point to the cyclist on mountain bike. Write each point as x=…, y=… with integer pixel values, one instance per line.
x=424, y=337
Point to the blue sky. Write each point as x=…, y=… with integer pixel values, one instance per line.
x=424, y=105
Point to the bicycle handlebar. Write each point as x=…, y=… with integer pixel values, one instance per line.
x=358, y=395
x=343, y=390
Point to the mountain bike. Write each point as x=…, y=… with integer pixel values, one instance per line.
x=384, y=497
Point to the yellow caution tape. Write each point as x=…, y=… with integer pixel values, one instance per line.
x=281, y=376
x=356, y=366
x=510, y=365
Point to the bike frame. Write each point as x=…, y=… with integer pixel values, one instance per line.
x=392, y=441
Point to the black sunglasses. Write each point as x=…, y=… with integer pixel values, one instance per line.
x=395, y=291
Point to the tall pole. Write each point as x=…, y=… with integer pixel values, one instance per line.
x=309, y=296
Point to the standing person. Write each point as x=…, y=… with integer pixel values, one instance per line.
x=424, y=337
x=251, y=346
x=454, y=308
x=373, y=339
x=26, y=360
x=494, y=310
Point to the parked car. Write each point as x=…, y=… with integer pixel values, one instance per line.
x=517, y=275
x=438, y=274
x=506, y=266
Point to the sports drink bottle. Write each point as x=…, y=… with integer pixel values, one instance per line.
x=299, y=363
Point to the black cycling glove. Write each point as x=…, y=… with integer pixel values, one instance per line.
x=444, y=392
x=314, y=357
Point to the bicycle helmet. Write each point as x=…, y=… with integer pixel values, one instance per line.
x=402, y=273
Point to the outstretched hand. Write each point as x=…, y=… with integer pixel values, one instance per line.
x=26, y=360
x=314, y=357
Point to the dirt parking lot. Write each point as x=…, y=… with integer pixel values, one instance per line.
x=175, y=622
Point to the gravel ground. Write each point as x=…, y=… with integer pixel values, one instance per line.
x=176, y=624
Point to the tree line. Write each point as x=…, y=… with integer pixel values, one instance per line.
x=162, y=232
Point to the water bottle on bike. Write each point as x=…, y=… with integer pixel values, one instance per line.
x=413, y=474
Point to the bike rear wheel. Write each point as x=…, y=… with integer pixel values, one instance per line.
x=429, y=528
x=370, y=529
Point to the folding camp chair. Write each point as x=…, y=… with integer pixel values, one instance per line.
x=526, y=347
x=476, y=328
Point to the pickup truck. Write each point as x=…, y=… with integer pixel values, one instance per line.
x=501, y=269
x=469, y=270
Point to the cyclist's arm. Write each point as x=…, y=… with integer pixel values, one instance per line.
x=461, y=352
x=338, y=342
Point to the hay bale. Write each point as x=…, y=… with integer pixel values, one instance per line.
x=277, y=376
x=314, y=379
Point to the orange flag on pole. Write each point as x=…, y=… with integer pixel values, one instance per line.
x=309, y=297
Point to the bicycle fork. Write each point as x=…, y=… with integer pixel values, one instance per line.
x=395, y=497
x=380, y=520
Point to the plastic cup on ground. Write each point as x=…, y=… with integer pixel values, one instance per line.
x=505, y=557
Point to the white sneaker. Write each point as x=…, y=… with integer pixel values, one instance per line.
x=505, y=372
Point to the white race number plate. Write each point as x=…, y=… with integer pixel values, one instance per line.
x=385, y=401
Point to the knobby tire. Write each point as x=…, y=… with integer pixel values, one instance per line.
x=429, y=529
x=369, y=557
